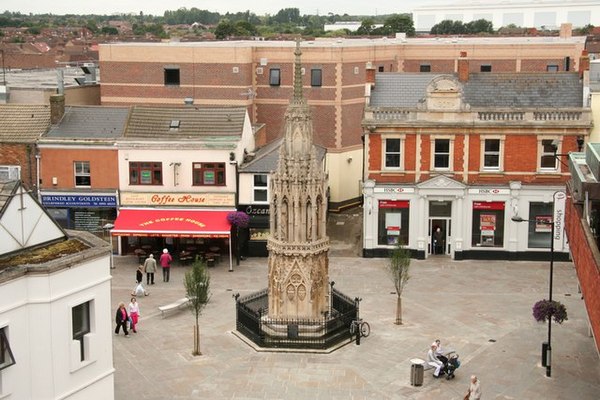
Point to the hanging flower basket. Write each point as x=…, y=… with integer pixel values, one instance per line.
x=543, y=310
x=238, y=218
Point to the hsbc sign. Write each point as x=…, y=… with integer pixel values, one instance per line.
x=394, y=190
x=490, y=191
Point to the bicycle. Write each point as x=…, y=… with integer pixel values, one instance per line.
x=360, y=326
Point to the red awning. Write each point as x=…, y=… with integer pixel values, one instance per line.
x=172, y=223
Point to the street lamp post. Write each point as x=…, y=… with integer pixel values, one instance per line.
x=108, y=227
x=552, y=223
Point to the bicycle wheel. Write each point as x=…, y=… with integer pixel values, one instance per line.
x=365, y=329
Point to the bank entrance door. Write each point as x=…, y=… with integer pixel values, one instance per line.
x=440, y=227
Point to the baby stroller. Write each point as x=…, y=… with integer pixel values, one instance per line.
x=451, y=365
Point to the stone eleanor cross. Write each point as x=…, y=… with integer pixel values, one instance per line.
x=298, y=245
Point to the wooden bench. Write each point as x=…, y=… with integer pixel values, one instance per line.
x=174, y=305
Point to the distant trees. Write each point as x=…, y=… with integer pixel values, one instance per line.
x=109, y=30
x=449, y=27
x=399, y=23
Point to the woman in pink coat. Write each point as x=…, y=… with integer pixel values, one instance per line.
x=165, y=263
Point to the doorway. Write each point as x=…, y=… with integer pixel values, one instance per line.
x=440, y=226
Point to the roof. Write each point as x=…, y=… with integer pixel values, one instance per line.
x=7, y=189
x=185, y=122
x=267, y=157
x=23, y=123
x=90, y=122
x=485, y=90
x=43, y=78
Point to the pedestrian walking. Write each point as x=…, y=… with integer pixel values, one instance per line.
x=139, y=274
x=165, y=263
x=134, y=313
x=121, y=318
x=150, y=268
x=474, y=392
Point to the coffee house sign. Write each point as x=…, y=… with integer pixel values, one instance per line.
x=178, y=199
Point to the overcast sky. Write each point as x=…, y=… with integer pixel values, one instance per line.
x=259, y=7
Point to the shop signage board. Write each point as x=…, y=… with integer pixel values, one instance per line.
x=559, y=220
x=178, y=199
x=394, y=190
x=489, y=191
x=78, y=200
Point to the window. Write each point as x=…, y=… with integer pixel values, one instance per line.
x=540, y=225
x=82, y=174
x=380, y=69
x=393, y=159
x=145, y=173
x=81, y=325
x=10, y=172
x=552, y=68
x=491, y=154
x=488, y=223
x=172, y=76
x=485, y=68
x=209, y=174
x=441, y=154
x=260, y=189
x=547, y=155
x=274, y=77
x=6, y=356
x=393, y=222
x=425, y=68
x=316, y=77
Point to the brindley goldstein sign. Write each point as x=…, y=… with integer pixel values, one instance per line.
x=178, y=199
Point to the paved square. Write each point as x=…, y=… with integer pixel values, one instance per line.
x=480, y=308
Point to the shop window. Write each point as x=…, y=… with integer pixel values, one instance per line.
x=393, y=222
x=274, y=77
x=208, y=174
x=316, y=77
x=260, y=188
x=485, y=68
x=145, y=173
x=393, y=153
x=82, y=174
x=491, y=154
x=172, y=77
x=540, y=225
x=425, y=68
x=441, y=154
x=6, y=356
x=548, y=149
x=488, y=224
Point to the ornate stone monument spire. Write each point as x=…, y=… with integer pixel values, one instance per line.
x=298, y=244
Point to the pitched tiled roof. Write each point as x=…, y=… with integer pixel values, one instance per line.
x=90, y=122
x=20, y=123
x=184, y=122
x=519, y=89
x=551, y=90
x=267, y=157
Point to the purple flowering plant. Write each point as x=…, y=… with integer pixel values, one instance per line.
x=543, y=310
x=238, y=218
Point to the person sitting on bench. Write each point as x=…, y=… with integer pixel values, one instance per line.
x=433, y=360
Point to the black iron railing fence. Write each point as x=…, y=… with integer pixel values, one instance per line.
x=253, y=322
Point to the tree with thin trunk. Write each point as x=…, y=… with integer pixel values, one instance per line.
x=197, y=287
x=398, y=272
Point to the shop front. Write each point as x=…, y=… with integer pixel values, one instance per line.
x=183, y=223
x=81, y=211
x=253, y=239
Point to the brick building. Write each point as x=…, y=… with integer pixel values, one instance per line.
x=258, y=75
x=464, y=154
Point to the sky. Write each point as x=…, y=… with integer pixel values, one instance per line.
x=259, y=7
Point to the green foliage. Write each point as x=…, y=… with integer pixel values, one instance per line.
x=366, y=27
x=480, y=26
x=287, y=15
x=197, y=287
x=34, y=30
x=224, y=29
x=586, y=30
x=109, y=30
x=399, y=23
x=398, y=268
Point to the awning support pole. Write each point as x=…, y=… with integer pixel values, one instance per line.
x=230, y=257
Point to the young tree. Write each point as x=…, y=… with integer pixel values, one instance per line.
x=398, y=272
x=197, y=287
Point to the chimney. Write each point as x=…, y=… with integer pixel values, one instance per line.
x=463, y=67
x=584, y=63
x=566, y=30
x=370, y=70
x=57, y=108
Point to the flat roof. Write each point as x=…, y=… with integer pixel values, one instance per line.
x=42, y=78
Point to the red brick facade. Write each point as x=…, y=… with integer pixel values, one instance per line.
x=586, y=259
x=22, y=155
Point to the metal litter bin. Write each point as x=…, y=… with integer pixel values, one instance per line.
x=416, y=372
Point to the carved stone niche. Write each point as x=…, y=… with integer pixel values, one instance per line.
x=444, y=93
